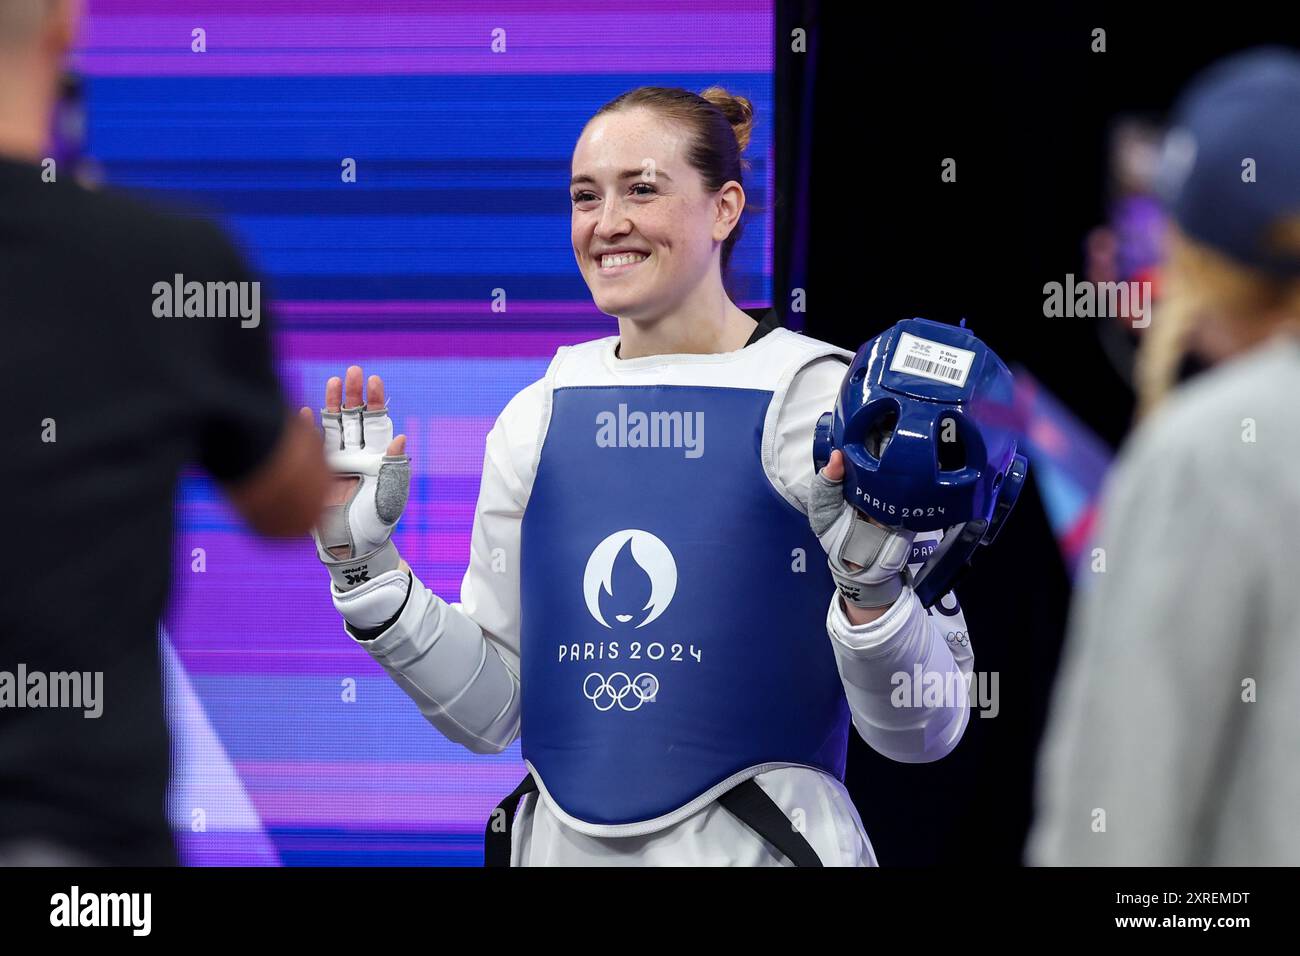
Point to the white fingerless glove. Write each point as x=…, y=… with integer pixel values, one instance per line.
x=356, y=440
x=848, y=536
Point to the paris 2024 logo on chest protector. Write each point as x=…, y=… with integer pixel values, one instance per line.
x=630, y=577
x=646, y=552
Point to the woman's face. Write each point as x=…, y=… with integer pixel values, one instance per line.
x=645, y=230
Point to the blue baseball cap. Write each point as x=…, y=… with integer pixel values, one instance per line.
x=1244, y=107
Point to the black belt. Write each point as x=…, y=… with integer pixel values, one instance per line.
x=496, y=838
x=746, y=801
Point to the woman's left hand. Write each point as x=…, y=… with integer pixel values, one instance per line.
x=867, y=559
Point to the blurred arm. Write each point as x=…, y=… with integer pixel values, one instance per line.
x=270, y=464
x=284, y=496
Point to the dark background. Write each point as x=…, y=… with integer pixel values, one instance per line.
x=867, y=227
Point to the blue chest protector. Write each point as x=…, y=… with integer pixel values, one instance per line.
x=649, y=673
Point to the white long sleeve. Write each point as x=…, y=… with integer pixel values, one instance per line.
x=887, y=666
x=460, y=662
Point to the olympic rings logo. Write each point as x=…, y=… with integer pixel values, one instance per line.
x=627, y=692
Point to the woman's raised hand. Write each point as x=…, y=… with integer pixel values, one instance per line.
x=371, y=481
x=341, y=486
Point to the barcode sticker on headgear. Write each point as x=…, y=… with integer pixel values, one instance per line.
x=930, y=359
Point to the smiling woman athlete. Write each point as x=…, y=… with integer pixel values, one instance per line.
x=646, y=603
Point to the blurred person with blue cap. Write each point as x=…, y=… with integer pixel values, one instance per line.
x=1174, y=721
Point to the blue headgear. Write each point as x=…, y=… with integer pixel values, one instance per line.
x=924, y=421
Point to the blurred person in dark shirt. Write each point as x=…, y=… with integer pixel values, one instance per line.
x=109, y=401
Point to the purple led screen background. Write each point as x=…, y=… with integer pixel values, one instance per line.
x=462, y=188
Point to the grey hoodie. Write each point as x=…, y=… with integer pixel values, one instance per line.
x=1174, y=731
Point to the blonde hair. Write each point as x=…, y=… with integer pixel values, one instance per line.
x=1201, y=288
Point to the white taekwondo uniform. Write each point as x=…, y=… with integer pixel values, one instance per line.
x=461, y=662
